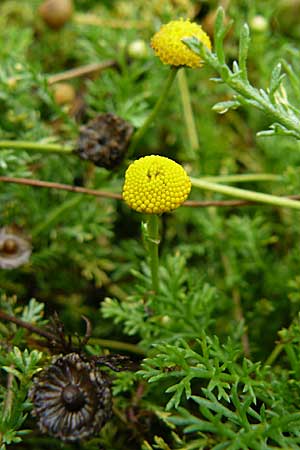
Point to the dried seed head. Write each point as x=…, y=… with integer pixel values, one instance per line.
x=71, y=399
x=15, y=248
x=104, y=140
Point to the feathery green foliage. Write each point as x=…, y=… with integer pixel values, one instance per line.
x=215, y=351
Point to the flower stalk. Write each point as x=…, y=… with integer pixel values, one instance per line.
x=243, y=178
x=55, y=214
x=188, y=112
x=153, y=241
x=35, y=147
x=160, y=101
x=244, y=194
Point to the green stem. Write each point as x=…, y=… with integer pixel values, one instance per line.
x=117, y=345
x=35, y=147
x=250, y=95
x=242, y=178
x=188, y=112
x=162, y=99
x=53, y=216
x=292, y=358
x=8, y=401
x=153, y=243
x=245, y=194
x=275, y=353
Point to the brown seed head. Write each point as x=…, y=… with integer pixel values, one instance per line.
x=105, y=140
x=71, y=399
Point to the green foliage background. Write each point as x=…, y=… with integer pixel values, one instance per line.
x=225, y=273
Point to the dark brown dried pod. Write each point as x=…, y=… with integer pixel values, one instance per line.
x=71, y=398
x=104, y=140
x=15, y=248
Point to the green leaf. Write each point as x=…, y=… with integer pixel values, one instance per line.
x=243, y=51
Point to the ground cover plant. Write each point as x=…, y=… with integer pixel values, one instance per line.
x=149, y=197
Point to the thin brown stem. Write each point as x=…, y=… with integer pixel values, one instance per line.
x=116, y=345
x=27, y=325
x=64, y=187
x=81, y=71
x=92, y=19
x=105, y=194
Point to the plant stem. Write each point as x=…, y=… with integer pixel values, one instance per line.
x=50, y=336
x=153, y=243
x=27, y=325
x=293, y=360
x=60, y=186
x=275, y=353
x=55, y=214
x=112, y=195
x=117, y=345
x=162, y=98
x=81, y=71
x=8, y=402
x=245, y=194
x=188, y=112
x=250, y=95
x=35, y=147
x=243, y=178
x=238, y=309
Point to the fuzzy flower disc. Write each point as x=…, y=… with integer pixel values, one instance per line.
x=155, y=184
x=171, y=50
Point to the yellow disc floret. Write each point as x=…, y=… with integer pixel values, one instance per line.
x=155, y=184
x=168, y=46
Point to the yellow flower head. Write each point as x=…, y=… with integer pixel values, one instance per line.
x=171, y=50
x=155, y=184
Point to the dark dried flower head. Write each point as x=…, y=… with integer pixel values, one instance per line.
x=71, y=399
x=15, y=248
x=105, y=140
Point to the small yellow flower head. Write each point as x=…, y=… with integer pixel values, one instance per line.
x=155, y=184
x=171, y=50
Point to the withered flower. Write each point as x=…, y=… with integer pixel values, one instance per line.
x=104, y=140
x=71, y=398
x=15, y=248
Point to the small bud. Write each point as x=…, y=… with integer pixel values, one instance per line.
x=105, y=140
x=12, y=82
x=56, y=12
x=166, y=320
x=259, y=24
x=64, y=93
x=138, y=49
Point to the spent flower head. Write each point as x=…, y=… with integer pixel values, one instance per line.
x=71, y=399
x=105, y=140
x=155, y=184
x=15, y=248
x=168, y=46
